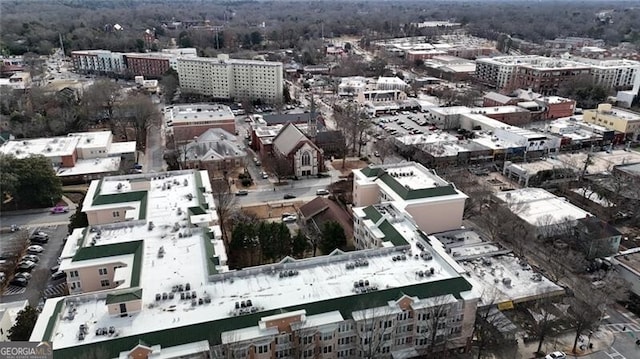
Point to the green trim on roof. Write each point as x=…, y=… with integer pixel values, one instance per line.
x=211, y=331
x=210, y=251
x=408, y=194
x=138, y=196
x=98, y=188
x=371, y=171
x=200, y=191
x=53, y=320
x=372, y=213
x=116, y=249
x=124, y=297
x=391, y=234
x=195, y=211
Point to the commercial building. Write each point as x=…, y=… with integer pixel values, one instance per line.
x=542, y=210
x=613, y=74
x=628, y=265
x=450, y=68
x=541, y=107
x=412, y=189
x=192, y=120
x=616, y=119
x=78, y=156
x=227, y=78
x=19, y=80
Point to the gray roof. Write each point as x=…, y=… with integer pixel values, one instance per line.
x=215, y=143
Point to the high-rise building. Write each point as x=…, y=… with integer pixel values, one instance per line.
x=227, y=78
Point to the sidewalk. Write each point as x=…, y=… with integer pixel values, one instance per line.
x=601, y=339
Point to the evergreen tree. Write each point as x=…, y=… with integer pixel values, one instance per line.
x=332, y=237
x=25, y=321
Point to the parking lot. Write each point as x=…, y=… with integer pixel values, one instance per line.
x=402, y=124
x=40, y=285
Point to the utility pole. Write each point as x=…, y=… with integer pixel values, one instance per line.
x=61, y=44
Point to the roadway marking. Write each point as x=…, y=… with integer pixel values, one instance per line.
x=623, y=327
x=13, y=290
x=629, y=315
x=615, y=354
x=57, y=290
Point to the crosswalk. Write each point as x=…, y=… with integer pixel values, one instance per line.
x=614, y=354
x=13, y=290
x=623, y=327
x=57, y=290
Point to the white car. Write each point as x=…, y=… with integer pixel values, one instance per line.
x=35, y=249
x=556, y=355
x=289, y=219
x=322, y=192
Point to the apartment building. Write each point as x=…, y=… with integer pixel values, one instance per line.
x=227, y=78
x=149, y=276
x=616, y=119
x=434, y=204
x=545, y=74
x=189, y=121
x=77, y=156
x=98, y=62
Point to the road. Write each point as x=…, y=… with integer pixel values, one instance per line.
x=154, y=152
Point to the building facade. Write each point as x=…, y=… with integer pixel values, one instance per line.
x=227, y=78
x=187, y=122
x=616, y=119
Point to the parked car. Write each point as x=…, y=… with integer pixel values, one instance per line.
x=289, y=196
x=322, y=192
x=54, y=269
x=58, y=275
x=264, y=175
x=19, y=282
x=286, y=214
x=59, y=209
x=30, y=257
x=24, y=275
x=26, y=266
x=556, y=355
x=242, y=193
x=40, y=234
x=35, y=249
x=289, y=219
x=39, y=239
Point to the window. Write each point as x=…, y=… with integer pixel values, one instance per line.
x=306, y=159
x=116, y=214
x=73, y=274
x=326, y=349
x=263, y=349
x=102, y=271
x=104, y=283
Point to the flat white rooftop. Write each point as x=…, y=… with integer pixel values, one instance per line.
x=194, y=113
x=48, y=147
x=314, y=280
x=539, y=207
x=91, y=166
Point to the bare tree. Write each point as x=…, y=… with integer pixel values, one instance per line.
x=225, y=202
x=279, y=166
x=542, y=320
x=353, y=123
x=438, y=323
x=384, y=148
x=139, y=113
x=374, y=330
x=100, y=100
x=584, y=317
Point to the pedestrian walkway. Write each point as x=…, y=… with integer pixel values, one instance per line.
x=57, y=290
x=13, y=290
x=623, y=327
x=600, y=340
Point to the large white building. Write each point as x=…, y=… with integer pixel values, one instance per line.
x=148, y=279
x=434, y=204
x=84, y=155
x=538, y=72
x=226, y=78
